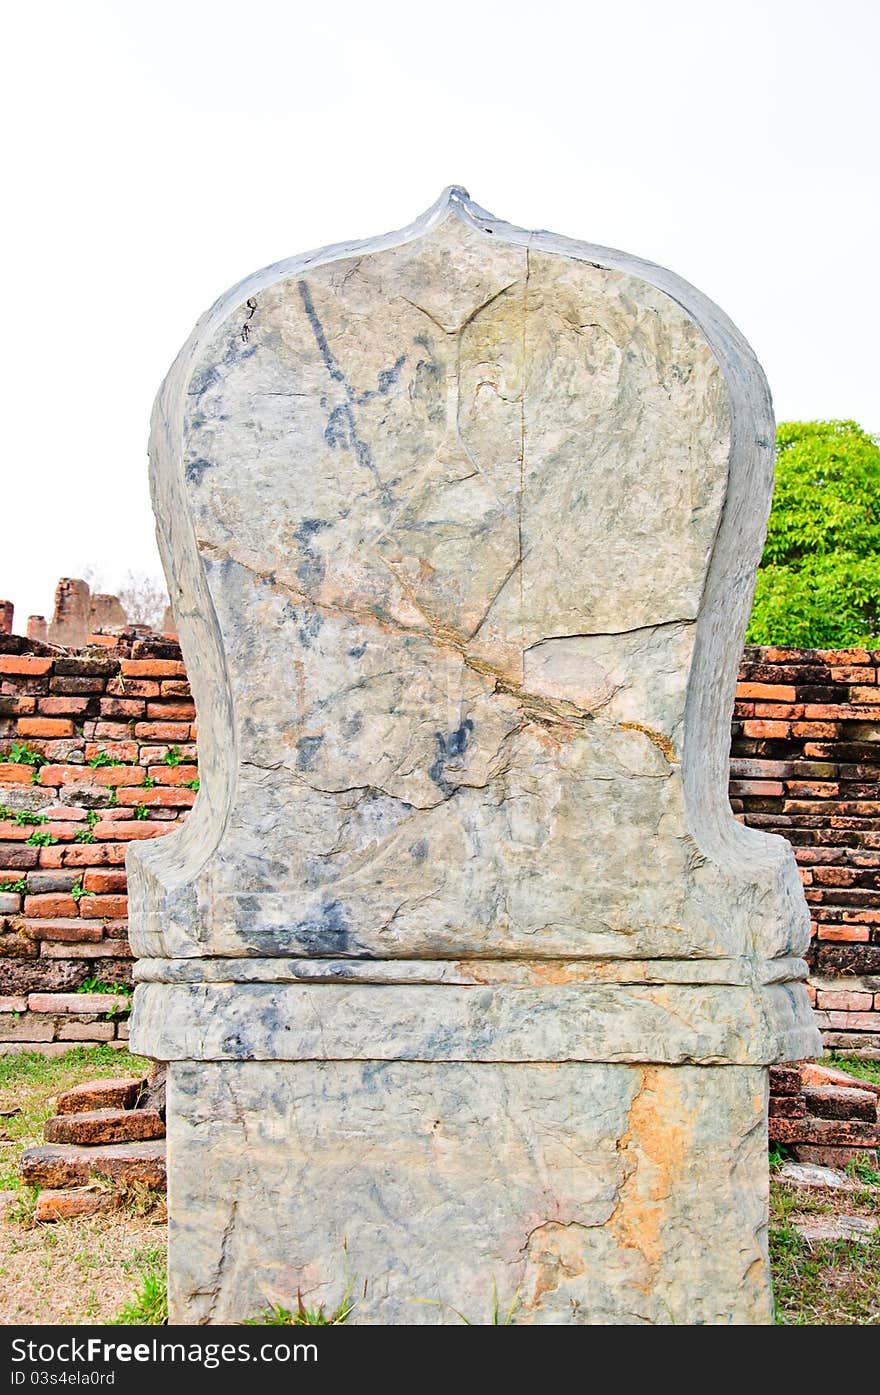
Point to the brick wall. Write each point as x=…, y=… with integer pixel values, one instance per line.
x=805, y=762
x=114, y=726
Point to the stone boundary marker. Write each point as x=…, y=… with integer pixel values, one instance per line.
x=468, y=978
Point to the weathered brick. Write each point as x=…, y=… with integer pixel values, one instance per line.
x=49, y=904
x=103, y=906
x=125, y=751
x=30, y=664
x=111, y=776
x=162, y=731
x=70, y=929
x=103, y=882
x=39, y=727
x=174, y=774
x=766, y=729
x=78, y=1003
x=63, y=706
x=131, y=829
x=103, y=949
x=167, y=711
x=15, y=774
x=120, y=708
x=168, y=796
x=108, y=1092
x=133, y=687
x=844, y=999
x=152, y=668
x=767, y=692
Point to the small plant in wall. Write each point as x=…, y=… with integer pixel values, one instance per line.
x=172, y=756
x=193, y=785
x=77, y=891
x=102, y=759
x=20, y=753
x=41, y=838
x=149, y=783
x=142, y=812
x=18, y=888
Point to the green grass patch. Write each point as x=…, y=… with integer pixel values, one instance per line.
x=149, y=1307
x=864, y=1070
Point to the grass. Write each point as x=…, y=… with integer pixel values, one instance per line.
x=853, y=1065
x=824, y=1283
x=149, y=1306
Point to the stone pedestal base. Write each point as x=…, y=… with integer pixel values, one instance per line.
x=583, y=1193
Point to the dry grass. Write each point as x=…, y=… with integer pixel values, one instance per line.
x=80, y=1271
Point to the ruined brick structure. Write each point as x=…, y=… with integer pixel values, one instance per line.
x=805, y=762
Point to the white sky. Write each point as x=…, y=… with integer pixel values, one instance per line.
x=155, y=153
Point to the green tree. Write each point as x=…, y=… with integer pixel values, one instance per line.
x=819, y=581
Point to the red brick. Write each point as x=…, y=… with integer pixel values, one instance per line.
x=133, y=687
x=844, y=1000
x=122, y=707
x=63, y=706
x=863, y=696
x=765, y=729
x=105, y=881
x=67, y=930
x=171, y=711
x=848, y=934
x=132, y=829
x=815, y=729
x=15, y=774
x=779, y=711
x=50, y=904
x=162, y=731
x=103, y=907
x=176, y=687
x=168, y=796
x=152, y=668
x=110, y=731
x=764, y=787
x=816, y=789
x=24, y=663
x=112, y=775
x=100, y=949
x=42, y=727
x=829, y=711
x=126, y=751
x=767, y=692
x=66, y=775
x=853, y=675
x=844, y=656
x=174, y=774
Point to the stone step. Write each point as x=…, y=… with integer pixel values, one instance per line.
x=63, y=1165
x=114, y=1092
x=836, y=1157
x=64, y=1205
x=840, y=1102
x=105, y=1126
x=815, y=1073
x=824, y=1132
x=851, y=1133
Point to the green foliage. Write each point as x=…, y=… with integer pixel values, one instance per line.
x=819, y=582
x=777, y=1155
x=853, y=1065
x=97, y=985
x=85, y=835
x=142, y=812
x=102, y=759
x=92, y=817
x=193, y=784
x=41, y=838
x=77, y=891
x=301, y=1316
x=21, y=817
x=860, y=1170
x=172, y=756
x=149, y=1306
x=148, y=783
x=19, y=887
x=20, y=753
